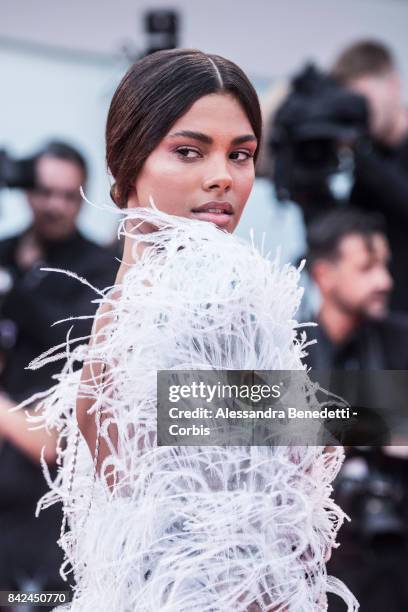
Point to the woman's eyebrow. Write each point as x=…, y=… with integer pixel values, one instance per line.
x=208, y=140
x=242, y=139
x=194, y=135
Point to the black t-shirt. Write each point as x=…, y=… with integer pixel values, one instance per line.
x=37, y=299
x=376, y=345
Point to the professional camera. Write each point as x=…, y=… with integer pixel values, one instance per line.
x=313, y=141
x=162, y=29
x=16, y=173
x=370, y=489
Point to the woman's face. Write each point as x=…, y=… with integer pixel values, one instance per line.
x=203, y=168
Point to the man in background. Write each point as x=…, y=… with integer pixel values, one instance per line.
x=32, y=300
x=368, y=68
x=348, y=258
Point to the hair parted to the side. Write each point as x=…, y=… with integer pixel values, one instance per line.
x=363, y=58
x=154, y=93
x=325, y=232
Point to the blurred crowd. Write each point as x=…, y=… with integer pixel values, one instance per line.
x=336, y=148
x=32, y=299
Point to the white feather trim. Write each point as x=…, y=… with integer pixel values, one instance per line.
x=192, y=529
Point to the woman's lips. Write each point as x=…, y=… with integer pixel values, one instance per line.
x=219, y=213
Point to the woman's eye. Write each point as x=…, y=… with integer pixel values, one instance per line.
x=188, y=152
x=241, y=155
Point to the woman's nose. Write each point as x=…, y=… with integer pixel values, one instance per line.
x=219, y=179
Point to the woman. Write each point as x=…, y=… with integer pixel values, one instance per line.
x=186, y=528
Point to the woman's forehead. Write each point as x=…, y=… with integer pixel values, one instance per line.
x=214, y=114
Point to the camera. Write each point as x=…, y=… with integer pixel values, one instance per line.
x=162, y=29
x=16, y=173
x=314, y=138
x=370, y=489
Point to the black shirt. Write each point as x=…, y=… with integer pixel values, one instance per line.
x=37, y=299
x=373, y=567
x=376, y=345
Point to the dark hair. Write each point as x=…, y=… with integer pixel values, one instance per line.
x=155, y=92
x=325, y=233
x=64, y=151
x=367, y=57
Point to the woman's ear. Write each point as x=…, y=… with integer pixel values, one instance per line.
x=114, y=194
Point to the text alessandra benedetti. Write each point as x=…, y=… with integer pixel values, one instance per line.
x=268, y=413
x=289, y=413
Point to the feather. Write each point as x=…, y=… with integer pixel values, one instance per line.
x=191, y=529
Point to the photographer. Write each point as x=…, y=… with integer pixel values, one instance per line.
x=342, y=139
x=32, y=300
x=368, y=68
x=348, y=256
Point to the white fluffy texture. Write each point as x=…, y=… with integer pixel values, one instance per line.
x=192, y=529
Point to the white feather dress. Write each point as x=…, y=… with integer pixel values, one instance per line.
x=190, y=529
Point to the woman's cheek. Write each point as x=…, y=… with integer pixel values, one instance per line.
x=246, y=186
